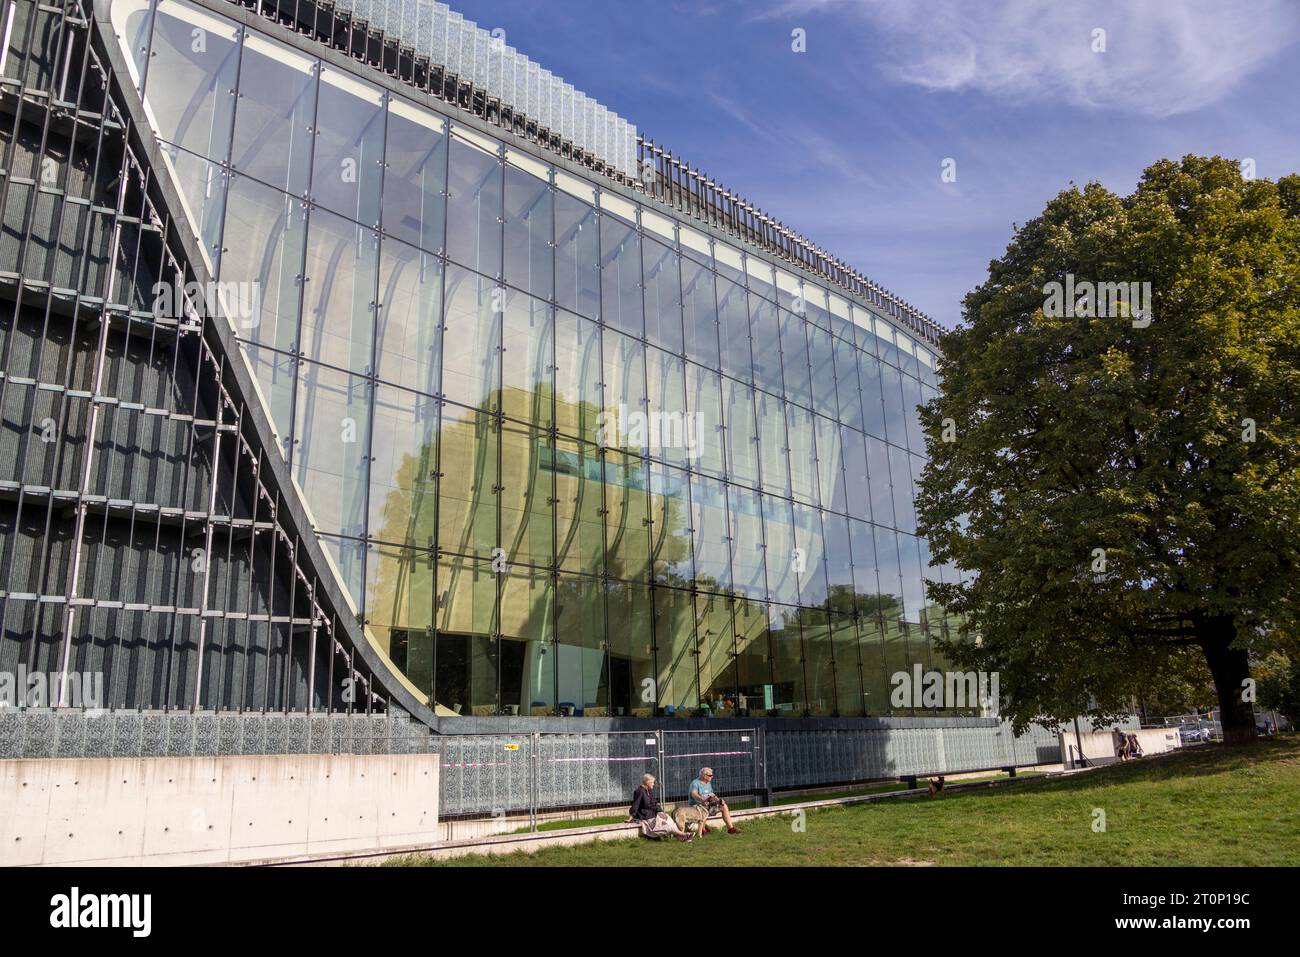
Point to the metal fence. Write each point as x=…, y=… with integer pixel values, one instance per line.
x=502, y=774
x=527, y=771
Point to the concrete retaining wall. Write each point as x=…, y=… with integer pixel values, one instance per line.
x=213, y=810
x=1099, y=746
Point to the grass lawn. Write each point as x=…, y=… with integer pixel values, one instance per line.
x=1209, y=806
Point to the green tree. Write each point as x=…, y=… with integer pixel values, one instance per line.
x=1125, y=488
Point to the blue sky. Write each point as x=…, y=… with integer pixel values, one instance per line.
x=845, y=142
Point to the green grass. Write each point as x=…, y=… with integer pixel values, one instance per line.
x=1211, y=806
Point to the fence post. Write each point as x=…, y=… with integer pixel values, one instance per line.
x=659, y=761
x=763, y=795
x=534, y=780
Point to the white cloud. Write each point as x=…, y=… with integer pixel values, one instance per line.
x=1162, y=57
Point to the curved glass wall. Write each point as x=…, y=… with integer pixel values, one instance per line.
x=567, y=454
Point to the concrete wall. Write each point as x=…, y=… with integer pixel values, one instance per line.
x=213, y=810
x=1099, y=746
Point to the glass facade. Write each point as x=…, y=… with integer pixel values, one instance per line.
x=568, y=453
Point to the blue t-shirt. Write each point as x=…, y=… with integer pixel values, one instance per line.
x=705, y=791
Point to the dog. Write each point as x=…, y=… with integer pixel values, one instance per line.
x=936, y=785
x=692, y=819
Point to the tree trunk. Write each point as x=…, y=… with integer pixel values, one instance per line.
x=1230, y=667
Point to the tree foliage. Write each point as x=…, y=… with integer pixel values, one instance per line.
x=1125, y=494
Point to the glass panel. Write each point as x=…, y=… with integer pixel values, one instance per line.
x=873, y=408
x=733, y=328
x=848, y=398
x=331, y=456
x=632, y=679
x=895, y=422
x=399, y=609
x=730, y=263
x=403, y=475
x=700, y=312
x=275, y=374
x=822, y=363
x=875, y=678
x=529, y=232
x=829, y=458
x=474, y=208
x=788, y=698
x=839, y=563
x=202, y=186
x=772, y=444
x=415, y=175
x=891, y=585
x=742, y=434
x=273, y=228
x=191, y=78
x=467, y=464
x=584, y=664
x=465, y=655
x=857, y=502
x=620, y=277
x=625, y=392
x=765, y=337
x=676, y=651
x=794, y=360
x=348, y=161
x=338, y=313
x=912, y=415
x=901, y=482
x=704, y=404
x=673, y=437
x=865, y=585
x=753, y=659
x=812, y=570
x=526, y=360
x=884, y=341
x=579, y=501
x=471, y=371
x=577, y=256
x=348, y=558
x=803, y=455
x=577, y=376
x=132, y=20
x=627, y=504
x=716, y=636
x=748, y=577
x=848, y=670
x=761, y=278
x=819, y=667
x=531, y=662
x=882, y=496
x=710, y=535
x=409, y=336
x=663, y=296
x=670, y=527
x=814, y=304
x=275, y=115
x=525, y=489
x=783, y=560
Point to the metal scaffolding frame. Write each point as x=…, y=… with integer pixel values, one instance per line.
x=145, y=530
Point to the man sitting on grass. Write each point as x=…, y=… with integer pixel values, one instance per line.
x=702, y=796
